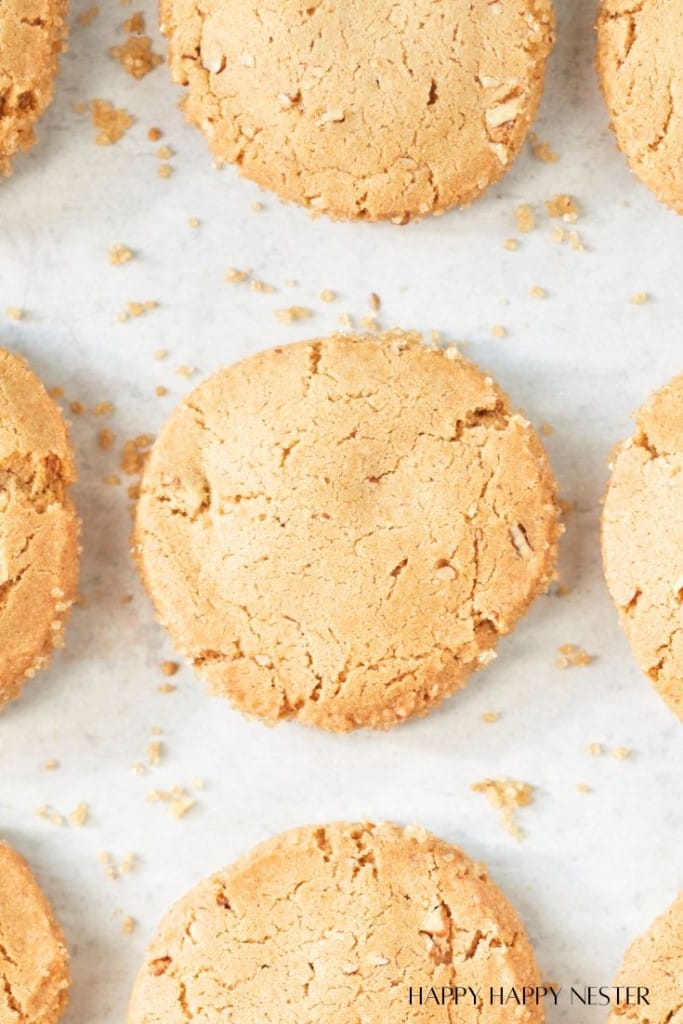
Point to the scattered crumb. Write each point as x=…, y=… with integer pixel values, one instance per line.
x=135, y=24
x=159, y=354
x=154, y=134
x=14, y=313
x=154, y=753
x=375, y=301
x=127, y=864
x=76, y=408
x=581, y=787
x=160, y=390
x=595, y=749
x=165, y=171
x=547, y=429
x=541, y=150
x=293, y=313
x=48, y=814
x=524, y=216
x=621, y=753
x=87, y=16
x=112, y=479
x=538, y=293
x=178, y=800
x=193, y=222
x=136, y=56
x=345, y=320
x=103, y=409
x=166, y=688
x=328, y=296
x=169, y=668
x=107, y=866
x=511, y=244
x=119, y=254
x=257, y=207
x=490, y=717
x=79, y=815
x=105, y=439
x=111, y=122
x=134, y=454
x=128, y=925
x=573, y=656
x=136, y=309
x=369, y=323
x=563, y=206
x=56, y=392
x=165, y=152
x=639, y=299
x=507, y=795
x=138, y=768
x=185, y=371
x=498, y=331
x=51, y=765
x=234, y=276
x=261, y=287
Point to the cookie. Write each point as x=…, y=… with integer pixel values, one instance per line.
x=38, y=526
x=32, y=35
x=655, y=962
x=332, y=924
x=339, y=530
x=34, y=962
x=361, y=110
x=639, y=64
x=642, y=541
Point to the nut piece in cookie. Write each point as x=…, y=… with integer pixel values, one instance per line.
x=38, y=526
x=336, y=923
x=649, y=986
x=642, y=541
x=339, y=530
x=641, y=73
x=363, y=111
x=32, y=34
x=34, y=962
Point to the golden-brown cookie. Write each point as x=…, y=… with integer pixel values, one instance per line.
x=38, y=526
x=641, y=72
x=329, y=924
x=654, y=962
x=642, y=540
x=339, y=530
x=34, y=962
x=360, y=110
x=32, y=35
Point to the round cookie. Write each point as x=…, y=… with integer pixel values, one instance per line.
x=34, y=962
x=642, y=541
x=639, y=64
x=655, y=961
x=32, y=35
x=38, y=526
x=361, y=110
x=339, y=530
x=336, y=923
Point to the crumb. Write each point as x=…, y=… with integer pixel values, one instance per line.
x=621, y=753
x=166, y=688
x=507, y=795
x=160, y=390
x=128, y=925
x=111, y=123
x=87, y=16
x=257, y=207
x=76, y=408
x=573, y=656
x=581, y=787
x=563, y=206
x=14, y=313
x=126, y=599
x=48, y=814
x=107, y=866
x=538, y=293
x=511, y=244
x=193, y=222
x=639, y=299
x=178, y=800
x=169, y=668
x=51, y=765
x=490, y=717
x=595, y=749
x=56, y=392
x=541, y=150
x=498, y=331
x=119, y=254
x=234, y=276
x=154, y=134
x=79, y=815
x=292, y=313
x=134, y=454
x=327, y=295
x=159, y=354
x=165, y=152
x=524, y=216
x=135, y=24
x=105, y=439
x=165, y=171
x=369, y=323
x=112, y=479
x=375, y=301
x=547, y=429
x=136, y=56
x=138, y=769
x=136, y=309
x=185, y=371
x=261, y=287
x=103, y=409
x=127, y=864
x=345, y=320
x=154, y=752
x=198, y=782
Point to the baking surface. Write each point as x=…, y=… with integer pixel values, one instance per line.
x=595, y=868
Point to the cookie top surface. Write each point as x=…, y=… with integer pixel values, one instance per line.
x=319, y=922
x=338, y=530
x=639, y=63
x=38, y=525
x=34, y=962
x=361, y=110
x=32, y=34
x=642, y=540
x=655, y=961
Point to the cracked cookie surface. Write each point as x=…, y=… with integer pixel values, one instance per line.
x=34, y=962
x=385, y=110
x=639, y=64
x=339, y=530
x=323, y=925
x=38, y=526
x=655, y=961
x=642, y=541
x=32, y=35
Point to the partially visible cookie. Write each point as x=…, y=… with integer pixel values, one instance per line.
x=655, y=962
x=329, y=924
x=32, y=35
x=360, y=110
x=339, y=530
x=642, y=540
x=641, y=72
x=34, y=961
x=38, y=526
